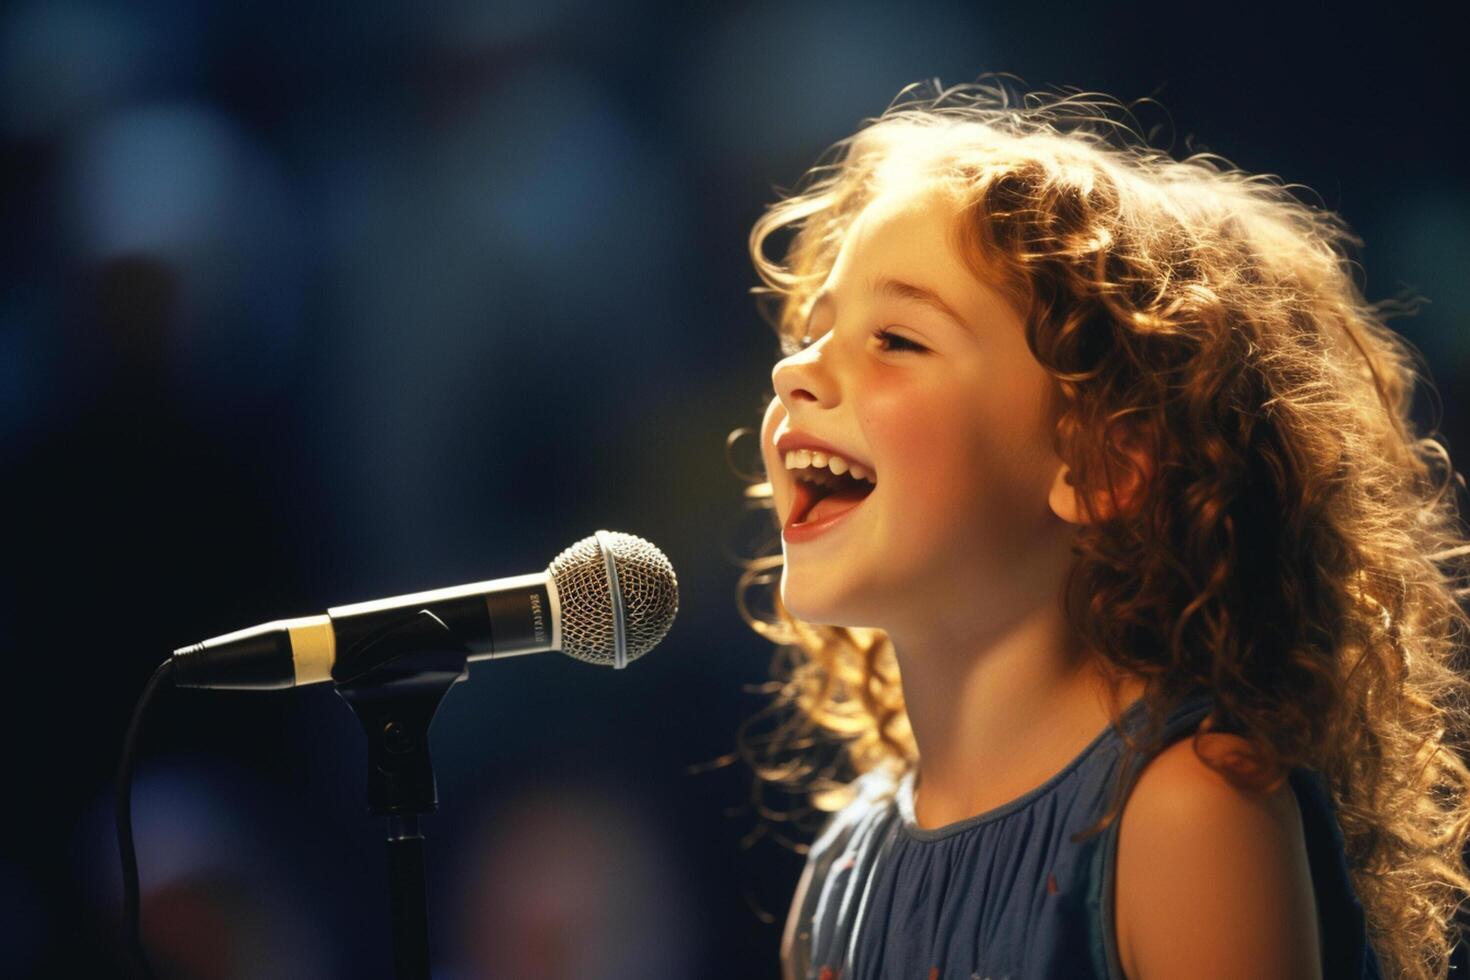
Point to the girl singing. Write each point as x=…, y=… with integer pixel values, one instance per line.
x=1110, y=562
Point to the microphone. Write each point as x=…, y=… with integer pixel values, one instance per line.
x=608, y=600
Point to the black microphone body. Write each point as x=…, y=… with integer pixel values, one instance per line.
x=496, y=618
x=607, y=599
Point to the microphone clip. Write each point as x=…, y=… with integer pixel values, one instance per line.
x=394, y=681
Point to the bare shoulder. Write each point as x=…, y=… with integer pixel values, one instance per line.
x=1212, y=881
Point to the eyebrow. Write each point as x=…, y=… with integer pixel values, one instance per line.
x=899, y=289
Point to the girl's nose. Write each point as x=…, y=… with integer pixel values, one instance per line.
x=805, y=377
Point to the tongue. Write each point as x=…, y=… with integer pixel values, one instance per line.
x=835, y=503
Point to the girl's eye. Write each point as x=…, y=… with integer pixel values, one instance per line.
x=894, y=343
x=795, y=345
x=897, y=343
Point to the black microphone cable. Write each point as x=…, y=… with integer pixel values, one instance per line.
x=132, y=924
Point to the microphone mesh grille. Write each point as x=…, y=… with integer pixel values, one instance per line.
x=647, y=584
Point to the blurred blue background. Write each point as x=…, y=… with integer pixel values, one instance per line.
x=309, y=304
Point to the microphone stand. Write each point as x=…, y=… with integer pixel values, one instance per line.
x=394, y=681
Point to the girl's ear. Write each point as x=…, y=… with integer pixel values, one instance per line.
x=1130, y=486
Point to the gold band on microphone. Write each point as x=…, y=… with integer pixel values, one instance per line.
x=313, y=648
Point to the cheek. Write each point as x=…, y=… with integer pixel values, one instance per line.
x=959, y=463
x=928, y=446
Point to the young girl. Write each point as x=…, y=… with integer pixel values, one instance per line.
x=1078, y=450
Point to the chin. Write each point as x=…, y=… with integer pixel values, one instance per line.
x=800, y=603
x=811, y=606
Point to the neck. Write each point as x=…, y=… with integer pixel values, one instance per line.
x=997, y=717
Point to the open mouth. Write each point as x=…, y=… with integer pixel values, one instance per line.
x=821, y=494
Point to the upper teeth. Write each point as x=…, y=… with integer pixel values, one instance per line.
x=800, y=459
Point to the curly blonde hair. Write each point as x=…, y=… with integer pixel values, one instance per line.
x=1297, y=551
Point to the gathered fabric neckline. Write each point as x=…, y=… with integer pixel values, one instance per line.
x=907, y=784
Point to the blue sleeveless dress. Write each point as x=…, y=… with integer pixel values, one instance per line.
x=1005, y=895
